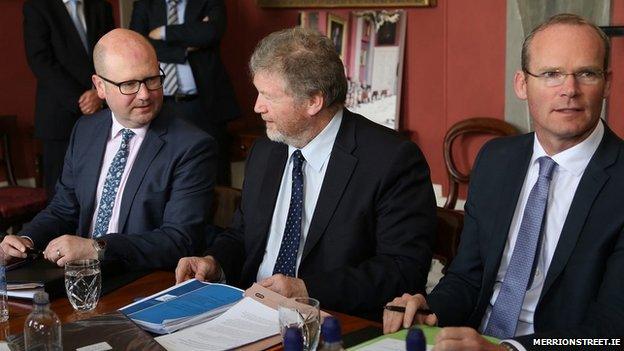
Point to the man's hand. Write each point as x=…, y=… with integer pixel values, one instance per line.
x=68, y=248
x=463, y=339
x=392, y=320
x=156, y=33
x=89, y=102
x=200, y=268
x=15, y=246
x=285, y=286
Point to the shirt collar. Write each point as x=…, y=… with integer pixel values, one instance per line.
x=576, y=158
x=317, y=151
x=117, y=127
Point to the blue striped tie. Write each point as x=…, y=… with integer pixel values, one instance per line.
x=287, y=257
x=82, y=33
x=506, y=310
x=111, y=185
x=170, y=85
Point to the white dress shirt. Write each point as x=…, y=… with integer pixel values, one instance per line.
x=79, y=11
x=571, y=164
x=186, y=81
x=112, y=146
x=316, y=155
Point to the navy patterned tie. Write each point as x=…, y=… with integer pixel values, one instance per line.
x=506, y=309
x=287, y=258
x=111, y=185
x=170, y=85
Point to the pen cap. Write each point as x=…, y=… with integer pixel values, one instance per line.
x=330, y=330
x=293, y=339
x=415, y=340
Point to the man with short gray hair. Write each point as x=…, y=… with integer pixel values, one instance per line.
x=334, y=206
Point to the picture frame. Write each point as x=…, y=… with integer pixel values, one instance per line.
x=337, y=32
x=344, y=3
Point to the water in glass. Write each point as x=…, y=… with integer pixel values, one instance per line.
x=83, y=282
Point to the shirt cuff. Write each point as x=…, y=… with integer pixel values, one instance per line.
x=514, y=344
x=163, y=32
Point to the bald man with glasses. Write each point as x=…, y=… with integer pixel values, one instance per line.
x=137, y=181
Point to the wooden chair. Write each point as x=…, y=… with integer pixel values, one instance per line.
x=224, y=203
x=450, y=225
x=18, y=204
x=474, y=126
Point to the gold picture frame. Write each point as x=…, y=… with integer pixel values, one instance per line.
x=337, y=32
x=345, y=3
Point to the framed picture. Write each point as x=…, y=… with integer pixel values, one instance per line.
x=371, y=44
x=346, y=3
x=336, y=31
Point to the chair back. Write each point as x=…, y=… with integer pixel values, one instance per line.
x=225, y=202
x=475, y=126
x=8, y=125
x=450, y=225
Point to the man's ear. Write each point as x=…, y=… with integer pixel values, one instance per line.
x=315, y=103
x=98, y=83
x=520, y=85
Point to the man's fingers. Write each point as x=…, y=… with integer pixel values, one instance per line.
x=431, y=320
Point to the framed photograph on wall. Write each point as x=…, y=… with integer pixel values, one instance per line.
x=345, y=3
x=371, y=45
x=336, y=31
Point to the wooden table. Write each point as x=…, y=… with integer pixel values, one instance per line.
x=145, y=286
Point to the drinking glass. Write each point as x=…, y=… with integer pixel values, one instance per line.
x=83, y=282
x=304, y=313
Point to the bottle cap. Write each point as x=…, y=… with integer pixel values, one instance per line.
x=293, y=339
x=330, y=330
x=415, y=340
x=41, y=298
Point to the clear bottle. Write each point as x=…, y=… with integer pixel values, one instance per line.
x=42, y=329
x=331, y=334
x=415, y=340
x=4, y=305
x=293, y=339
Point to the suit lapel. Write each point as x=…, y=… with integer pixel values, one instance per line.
x=192, y=9
x=95, y=153
x=150, y=147
x=72, y=37
x=159, y=10
x=514, y=179
x=90, y=19
x=341, y=165
x=268, y=197
x=589, y=187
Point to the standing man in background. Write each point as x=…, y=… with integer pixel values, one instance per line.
x=187, y=35
x=59, y=36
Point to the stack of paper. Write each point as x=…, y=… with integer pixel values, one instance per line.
x=182, y=305
x=23, y=290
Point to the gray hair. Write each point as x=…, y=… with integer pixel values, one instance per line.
x=569, y=19
x=308, y=62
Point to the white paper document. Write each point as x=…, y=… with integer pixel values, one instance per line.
x=246, y=322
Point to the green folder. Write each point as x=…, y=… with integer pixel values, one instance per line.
x=430, y=335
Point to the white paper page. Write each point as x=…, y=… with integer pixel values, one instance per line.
x=388, y=345
x=244, y=323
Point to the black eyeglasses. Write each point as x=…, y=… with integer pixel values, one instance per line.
x=556, y=78
x=131, y=87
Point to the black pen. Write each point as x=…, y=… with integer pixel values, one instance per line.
x=402, y=309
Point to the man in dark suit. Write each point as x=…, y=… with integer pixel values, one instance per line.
x=542, y=251
x=59, y=36
x=333, y=206
x=187, y=35
x=137, y=181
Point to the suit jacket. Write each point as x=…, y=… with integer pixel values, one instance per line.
x=165, y=200
x=213, y=84
x=582, y=294
x=58, y=59
x=372, y=230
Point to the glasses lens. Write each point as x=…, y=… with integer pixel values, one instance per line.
x=588, y=77
x=129, y=87
x=154, y=83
